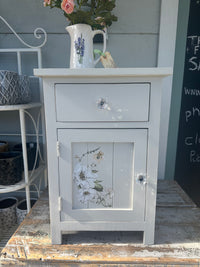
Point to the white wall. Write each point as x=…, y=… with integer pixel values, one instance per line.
x=132, y=40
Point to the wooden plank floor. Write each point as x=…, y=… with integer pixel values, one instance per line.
x=6, y=234
x=177, y=238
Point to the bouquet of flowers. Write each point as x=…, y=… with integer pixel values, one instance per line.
x=96, y=13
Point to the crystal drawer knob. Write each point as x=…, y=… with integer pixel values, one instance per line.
x=141, y=178
x=102, y=104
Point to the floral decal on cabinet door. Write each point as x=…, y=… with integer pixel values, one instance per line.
x=90, y=188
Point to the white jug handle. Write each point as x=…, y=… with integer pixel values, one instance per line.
x=104, y=42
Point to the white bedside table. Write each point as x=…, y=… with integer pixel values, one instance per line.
x=102, y=141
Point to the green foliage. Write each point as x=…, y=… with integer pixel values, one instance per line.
x=96, y=13
x=98, y=187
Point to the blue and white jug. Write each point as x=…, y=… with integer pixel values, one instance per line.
x=81, y=55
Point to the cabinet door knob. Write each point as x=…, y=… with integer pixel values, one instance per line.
x=141, y=178
x=102, y=104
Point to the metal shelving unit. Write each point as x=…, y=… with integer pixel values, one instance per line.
x=22, y=184
x=29, y=176
x=24, y=110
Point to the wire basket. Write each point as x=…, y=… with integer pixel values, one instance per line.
x=14, y=88
x=8, y=212
x=24, y=83
x=3, y=146
x=10, y=93
x=31, y=154
x=10, y=167
x=21, y=209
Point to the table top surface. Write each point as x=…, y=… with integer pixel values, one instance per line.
x=101, y=72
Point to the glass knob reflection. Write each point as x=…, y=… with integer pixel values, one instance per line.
x=102, y=104
x=141, y=178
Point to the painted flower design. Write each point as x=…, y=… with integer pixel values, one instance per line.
x=85, y=181
x=98, y=156
x=86, y=194
x=67, y=6
x=105, y=198
x=89, y=185
x=84, y=176
x=80, y=48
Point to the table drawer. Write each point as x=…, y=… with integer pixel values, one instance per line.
x=102, y=102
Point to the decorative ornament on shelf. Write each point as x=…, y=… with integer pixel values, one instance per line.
x=106, y=59
x=87, y=18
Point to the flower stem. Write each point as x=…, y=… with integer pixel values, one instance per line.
x=80, y=4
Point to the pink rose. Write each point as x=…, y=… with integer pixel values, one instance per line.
x=68, y=6
x=47, y=2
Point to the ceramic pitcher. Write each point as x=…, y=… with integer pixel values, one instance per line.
x=81, y=55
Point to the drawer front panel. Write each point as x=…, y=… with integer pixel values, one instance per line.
x=102, y=102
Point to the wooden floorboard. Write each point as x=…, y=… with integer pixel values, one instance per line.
x=177, y=239
x=5, y=235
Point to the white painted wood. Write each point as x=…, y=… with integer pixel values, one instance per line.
x=136, y=136
x=123, y=102
x=115, y=72
x=166, y=54
x=123, y=173
x=103, y=125
x=144, y=136
x=52, y=162
x=168, y=26
x=101, y=226
x=152, y=165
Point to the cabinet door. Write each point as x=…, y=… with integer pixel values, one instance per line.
x=99, y=171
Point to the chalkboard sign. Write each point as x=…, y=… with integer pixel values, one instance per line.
x=187, y=170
